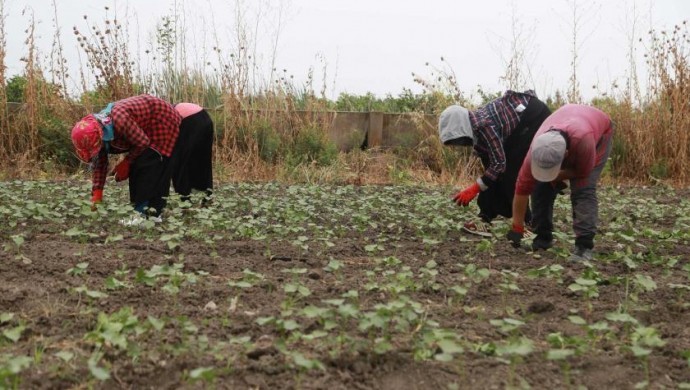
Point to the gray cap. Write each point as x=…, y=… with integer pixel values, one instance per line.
x=548, y=151
x=454, y=123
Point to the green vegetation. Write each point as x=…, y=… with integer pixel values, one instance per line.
x=293, y=283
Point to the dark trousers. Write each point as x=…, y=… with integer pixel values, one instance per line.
x=193, y=155
x=498, y=199
x=583, y=197
x=149, y=180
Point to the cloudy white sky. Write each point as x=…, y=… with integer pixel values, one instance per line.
x=376, y=45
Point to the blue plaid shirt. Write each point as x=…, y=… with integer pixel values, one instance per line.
x=492, y=125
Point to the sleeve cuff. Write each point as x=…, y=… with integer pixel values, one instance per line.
x=484, y=182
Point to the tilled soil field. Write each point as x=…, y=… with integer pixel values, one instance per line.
x=336, y=287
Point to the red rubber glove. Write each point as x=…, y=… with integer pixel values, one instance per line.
x=96, y=198
x=121, y=170
x=464, y=197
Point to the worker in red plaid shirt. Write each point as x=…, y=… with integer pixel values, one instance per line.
x=144, y=127
x=500, y=133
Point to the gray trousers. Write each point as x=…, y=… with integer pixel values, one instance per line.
x=583, y=197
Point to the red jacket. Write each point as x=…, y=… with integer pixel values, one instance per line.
x=588, y=131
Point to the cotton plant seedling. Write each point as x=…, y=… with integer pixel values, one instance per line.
x=377, y=323
x=643, y=341
x=512, y=353
x=294, y=290
x=428, y=274
x=397, y=282
x=336, y=268
x=11, y=331
x=441, y=344
x=681, y=292
x=172, y=240
x=485, y=246
x=587, y=285
x=173, y=276
x=596, y=332
x=552, y=271
x=249, y=279
x=303, y=364
x=372, y=249
x=15, y=247
x=113, y=330
x=78, y=269
x=11, y=367
x=430, y=245
x=335, y=317
x=113, y=283
x=640, y=284
x=475, y=274
x=301, y=242
x=508, y=286
x=508, y=326
x=627, y=321
x=91, y=295
x=205, y=375
x=287, y=328
x=562, y=349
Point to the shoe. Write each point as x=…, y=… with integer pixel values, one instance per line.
x=481, y=228
x=138, y=219
x=541, y=244
x=133, y=221
x=581, y=254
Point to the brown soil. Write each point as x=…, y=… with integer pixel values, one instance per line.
x=57, y=319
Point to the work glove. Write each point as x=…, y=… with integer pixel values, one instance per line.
x=121, y=170
x=464, y=197
x=515, y=235
x=96, y=198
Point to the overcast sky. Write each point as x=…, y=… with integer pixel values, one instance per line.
x=376, y=45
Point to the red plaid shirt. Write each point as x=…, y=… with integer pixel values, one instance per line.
x=139, y=122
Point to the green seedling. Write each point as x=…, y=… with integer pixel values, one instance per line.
x=173, y=276
x=294, y=290
x=508, y=286
x=78, y=269
x=115, y=329
x=91, y=295
x=595, y=332
x=553, y=271
x=514, y=350
x=562, y=349
x=335, y=267
x=16, y=248
x=428, y=275
x=643, y=340
x=203, y=374
x=10, y=369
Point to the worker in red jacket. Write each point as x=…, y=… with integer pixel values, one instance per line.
x=572, y=144
x=145, y=129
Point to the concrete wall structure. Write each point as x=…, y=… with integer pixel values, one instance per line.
x=352, y=130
